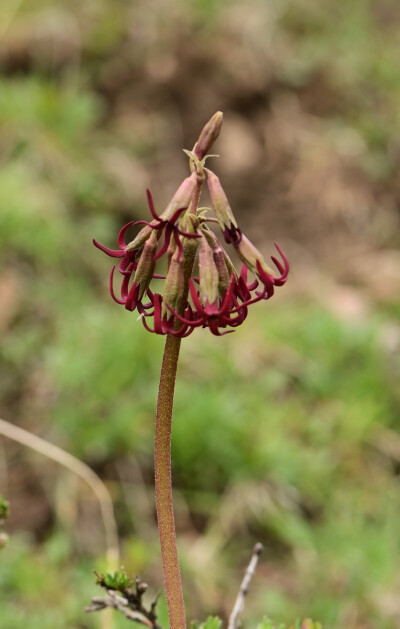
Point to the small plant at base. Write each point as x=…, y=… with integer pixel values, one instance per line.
x=125, y=595
x=201, y=288
x=117, y=581
x=4, y=513
x=299, y=624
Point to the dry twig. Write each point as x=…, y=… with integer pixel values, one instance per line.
x=244, y=587
x=80, y=469
x=121, y=604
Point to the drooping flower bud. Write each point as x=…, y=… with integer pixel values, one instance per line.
x=222, y=209
x=174, y=287
x=252, y=258
x=146, y=264
x=144, y=272
x=208, y=135
x=222, y=262
x=208, y=273
x=180, y=200
x=190, y=245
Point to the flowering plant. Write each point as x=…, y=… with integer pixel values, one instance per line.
x=211, y=294
x=199, y=286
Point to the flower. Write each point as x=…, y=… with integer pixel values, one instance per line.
x=201, y=287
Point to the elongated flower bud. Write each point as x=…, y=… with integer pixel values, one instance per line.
x=190, y=246
x=181, y=199
x=252, y=258
x=146, y=264
x=208, y=273
x=174, y=288
x=222, y=209
x=139, y=239
x=208, y=135
x=222, y=262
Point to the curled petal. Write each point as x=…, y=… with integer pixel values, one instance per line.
x=121, y=235
x=167, y=238
x=114, y=253
x=283, y=269
x=132, y=297
x=213, y=326
x=186, y=321
x=118, y=301
x=151, y=206
x=158, y=314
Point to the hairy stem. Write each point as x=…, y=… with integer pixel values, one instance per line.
x=163, y=484
x=196, y=194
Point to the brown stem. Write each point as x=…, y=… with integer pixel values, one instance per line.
x=196, y=194
x=163, y=484
x=162, y=447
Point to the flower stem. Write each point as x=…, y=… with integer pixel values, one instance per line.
x=163, y=484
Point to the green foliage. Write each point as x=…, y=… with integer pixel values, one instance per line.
x=212, y=622
x=4, y=508
x=116, y=581
x=268, y=624
x=4, y=513
x=34, y=589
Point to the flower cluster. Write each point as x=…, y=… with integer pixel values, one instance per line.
x=200, y=287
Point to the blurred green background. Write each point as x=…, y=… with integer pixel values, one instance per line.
x=286, y=432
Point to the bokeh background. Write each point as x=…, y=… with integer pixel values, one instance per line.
x=286, y=432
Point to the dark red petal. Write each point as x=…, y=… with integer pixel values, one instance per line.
x=157, y=314
x=119, y=301
x=196, y=301
x=284, y=270
x=227, y=300
x=151, y=206
x=120, y=238
x=213, y=327
x=178, y=244
x=125, y=286
x=176, y=215
x=114, y=253
x=169, y=328
x=146, y=326
x=131, y=300
x=167, y=238
x=187, y=234
x=194, y=322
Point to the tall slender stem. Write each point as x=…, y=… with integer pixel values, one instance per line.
x=163, y=484
x=162, y=447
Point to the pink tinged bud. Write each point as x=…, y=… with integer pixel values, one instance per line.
x=174, y=287
x=252, y=258
x=222, y=262
x=140, y=239
x=224, y=275
x=181, y=198
x=208, y=273
x=189, y=247
x=208, y=135
x=222, y=209
x=180, y=201
x=144, y=272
